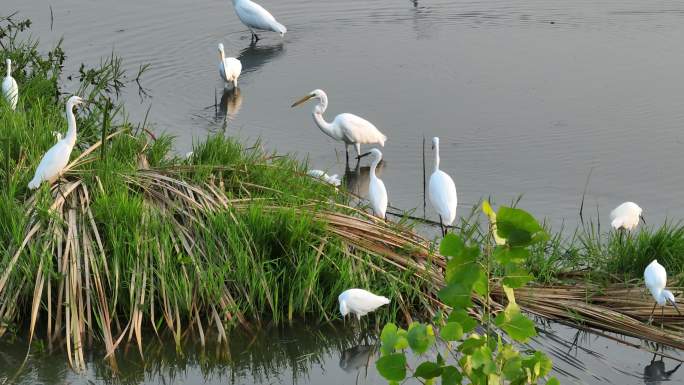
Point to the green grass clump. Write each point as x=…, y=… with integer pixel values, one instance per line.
x=134, y=237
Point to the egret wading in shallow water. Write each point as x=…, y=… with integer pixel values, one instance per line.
x=229, y=67
x=10, y=89
x=255, y=17
x=360, y=302
x=57, y=157
x=655, y=278
x=377, y=193
x=347, y=128
x=442, y=192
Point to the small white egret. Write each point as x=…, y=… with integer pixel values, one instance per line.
x=360, y=302
x=57, y=157
x=229, y=67
x=330, y=179
x=347, y=128
x=255, y=17
x=442, y=192
x=626, y=216
x=10, y=89
x=377, y=193
x=655, y=278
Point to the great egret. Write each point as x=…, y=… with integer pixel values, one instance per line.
x=377, y=193
x=229, y=67
x=626, y=216
x=10, y=89
x=360, y=302
x=655, y=278
x=255, y=17
x=347, y=128
x=57, y=157
x=330, y=179
x=442, y=192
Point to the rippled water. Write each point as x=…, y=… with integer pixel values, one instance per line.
x=305, y=354
x=527, y=96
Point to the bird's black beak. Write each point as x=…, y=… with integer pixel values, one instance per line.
x=676, y=308
x=364, y=154
x=642, y=218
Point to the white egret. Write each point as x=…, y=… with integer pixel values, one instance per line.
x=10, y=89
x=655, y=278
x=330, y=179
x=360, y=302
x=255, y=17
x=377, y=193
x=229, y=67
x=442, y=192
x=626, y=216
x=57, y=157
x=347, y=128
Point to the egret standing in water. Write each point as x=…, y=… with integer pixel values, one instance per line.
x=377, y=193
x=360, y=302
x=442, y=192
x=10, y=89
x=57, y=157
x=255, y=17
x=626, y=216
x=229, y=67
x=347, y=128
x=655, y=278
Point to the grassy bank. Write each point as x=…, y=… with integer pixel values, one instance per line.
x=134, y=237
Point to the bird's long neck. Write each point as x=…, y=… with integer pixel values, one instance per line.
x=374, y=165
x=326, y=127
x=436, y=158
x=9, y=67
x=71, y=122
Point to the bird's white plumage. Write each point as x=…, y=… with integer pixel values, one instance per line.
x=442, y=190
x=10, y=89
x=57, y=157
x=655, y=278
x=360, y=302
x=229, y=67
x=626, y=216
x=255, y=17
x=377, y=193
x=330, y=179
x=347, y=128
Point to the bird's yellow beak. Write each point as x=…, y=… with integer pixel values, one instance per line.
x=302, y=100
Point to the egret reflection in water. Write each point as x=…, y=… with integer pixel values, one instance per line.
x=356, y=357
x=231, y=102
x=655, y=373
x=253, y=57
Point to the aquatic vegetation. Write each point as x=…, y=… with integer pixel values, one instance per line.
x=476, y=349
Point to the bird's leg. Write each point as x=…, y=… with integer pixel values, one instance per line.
x=650, y=318
x=358, y=150
x=346, y=150
x=662, y=316
x=441, y=225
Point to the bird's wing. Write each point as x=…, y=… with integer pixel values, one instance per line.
x=442, y=194
x=358, y=130
x=10, y=89
x=655, y=276
x=54, y=161
x=365, y=302
x=233, y=67
x=254, y=15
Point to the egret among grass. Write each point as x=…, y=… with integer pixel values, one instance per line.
x=255, y=17
x=10, y=89
x=347, y=128
x=57, y=157
x=442, y=192
x=360, y=302
x=229, y=67
x=377, y=193
x=626, y=216
x=330, y=179
x=655, y=278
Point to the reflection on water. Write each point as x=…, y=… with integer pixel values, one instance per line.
x=655, y=373
x=358, y=178
x=254, y=56
x=356, y=357
x=231, y=101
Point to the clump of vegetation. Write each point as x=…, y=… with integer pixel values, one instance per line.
x=487, y=355
x=133, y=237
